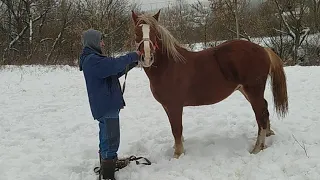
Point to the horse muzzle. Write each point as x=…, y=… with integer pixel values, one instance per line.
x=146, y=60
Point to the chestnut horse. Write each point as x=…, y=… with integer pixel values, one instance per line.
x=179, y=77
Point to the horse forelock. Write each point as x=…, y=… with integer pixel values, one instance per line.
x=169, y=43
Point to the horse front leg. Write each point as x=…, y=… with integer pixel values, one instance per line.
x=174, y=114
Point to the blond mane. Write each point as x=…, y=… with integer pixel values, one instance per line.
x=168, y=41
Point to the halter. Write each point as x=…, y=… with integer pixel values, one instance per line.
x=154, y=45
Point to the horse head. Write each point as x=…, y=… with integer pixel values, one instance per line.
x=146, y=38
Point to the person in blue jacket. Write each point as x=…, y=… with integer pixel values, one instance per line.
x=102, y=75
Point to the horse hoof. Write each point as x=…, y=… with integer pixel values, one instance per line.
x=178, y=152
x=270, y=133
x=257, y=149
x=177, y=156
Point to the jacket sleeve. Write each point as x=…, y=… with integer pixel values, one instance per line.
x=131, y=66
x=108, y=66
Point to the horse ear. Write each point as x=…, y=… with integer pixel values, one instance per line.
x=156, y=16
x=134, y=17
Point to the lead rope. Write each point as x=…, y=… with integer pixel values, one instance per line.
x=126, y=73
x=122, y=163
x=125, y=79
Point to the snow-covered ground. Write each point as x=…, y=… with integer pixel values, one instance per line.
x=47, y=132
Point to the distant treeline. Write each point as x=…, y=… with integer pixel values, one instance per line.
x=49, y=31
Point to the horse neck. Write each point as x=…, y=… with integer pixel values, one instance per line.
x=163, y=63
x=160, y=64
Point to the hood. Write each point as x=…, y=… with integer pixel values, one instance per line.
x=91, y=44
x=91, y=39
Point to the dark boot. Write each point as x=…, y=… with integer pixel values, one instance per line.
x=108, y=169
x=121, y=163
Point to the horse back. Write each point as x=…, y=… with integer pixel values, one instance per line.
x=241, y=61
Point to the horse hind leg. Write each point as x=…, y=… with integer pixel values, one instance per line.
x=257, y=101
x=262, y=116
x=269, y=131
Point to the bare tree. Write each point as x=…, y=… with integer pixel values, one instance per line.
x=231, y=13
x=33, y=30
x=22, y=16
x=315, y=6
x=203, y=21
x=49, y=31
x=112, y=18
x=291, y=14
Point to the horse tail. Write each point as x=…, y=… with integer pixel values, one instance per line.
x=278, y=83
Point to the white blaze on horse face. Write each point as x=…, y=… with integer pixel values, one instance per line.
x=146, y=44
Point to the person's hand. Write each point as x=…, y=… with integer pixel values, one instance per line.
x=139, y=53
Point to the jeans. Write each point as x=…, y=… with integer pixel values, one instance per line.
x=109, y=135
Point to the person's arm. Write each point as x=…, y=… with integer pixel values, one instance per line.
x=131, y=66
x=108, y=66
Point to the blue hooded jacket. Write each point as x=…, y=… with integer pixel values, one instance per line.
x=102, y=75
